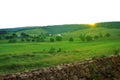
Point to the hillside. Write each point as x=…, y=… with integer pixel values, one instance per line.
x=52, y=29
x=64, y=28
x=109, y=25
x=56, y=29
x=23, y=52
x=34, y=31
x=93, y=32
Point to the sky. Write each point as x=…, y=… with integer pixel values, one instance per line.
x=20, y=13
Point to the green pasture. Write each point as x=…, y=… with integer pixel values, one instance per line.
x=17, y=57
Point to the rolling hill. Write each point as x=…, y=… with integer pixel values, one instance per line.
x=56, y=29
x=25, y=55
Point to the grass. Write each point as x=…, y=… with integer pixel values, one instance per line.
x=36, y=31
x=19, y=57
x=93, y=32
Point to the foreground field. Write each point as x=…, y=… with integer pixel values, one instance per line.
x=17, y=57
x=35, y=47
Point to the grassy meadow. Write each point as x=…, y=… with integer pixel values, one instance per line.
x=22, y=56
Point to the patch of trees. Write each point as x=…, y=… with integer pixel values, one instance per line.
x=52, y=40
x=84, y=37
x=12, y=41
x=107, y=34
x=3, y=32
x=24, y=37
x=27, y=38
x=53, y=50
x=58, y=38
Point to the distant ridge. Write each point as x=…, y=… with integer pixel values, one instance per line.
x=55, y=29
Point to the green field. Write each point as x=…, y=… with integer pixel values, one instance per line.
x=21, y=56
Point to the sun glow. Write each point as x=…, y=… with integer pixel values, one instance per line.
x=92, y=25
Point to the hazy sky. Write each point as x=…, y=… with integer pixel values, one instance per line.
x=19, y=13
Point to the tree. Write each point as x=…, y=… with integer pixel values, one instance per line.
x=52, y=40
x=89, y=38
x=96, y=37
x=0, y=38
x=37, y=39
x=2, y=32
x=22, y=40
x=12, y=41
x=42, y=39
x=107, y=34
x=27, y=39
x=24, y=35
x=33, y=40
x=14, y=35
x=71, y=39
x=58, y=38
x=8, y=37
x=82, y=37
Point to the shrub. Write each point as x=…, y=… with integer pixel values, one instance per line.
x=58, y=38
x=116, y=51
x=14, y=35
x=96, y=37
x=22, y=40
x=59, y=50
x=82, y=37
x=52, y=40
x=42, y=39
x=71, y=39
x=89, y=38
x=12, y=41
x=107, y=34
x=0, y=38
x=52, y=50
x=27, y=39
x=33, y=40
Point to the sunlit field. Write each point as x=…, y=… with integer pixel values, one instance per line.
x=26, y=55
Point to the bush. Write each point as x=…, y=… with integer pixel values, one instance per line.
x=14, y=35
x=116, y=51
x=52, y=50
x=27, y=39
x=42, y=39
x=12, y=41
x=107, y=34
x=22, y=40
x=58, y=38
x=96, y=37
x=89, y=38
x=52, y=40
x=33, y=40
x=0, y=38
x=71, y=39
x=59, y=50
x=82, y=37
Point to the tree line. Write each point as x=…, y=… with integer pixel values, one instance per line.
x=24, y=37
